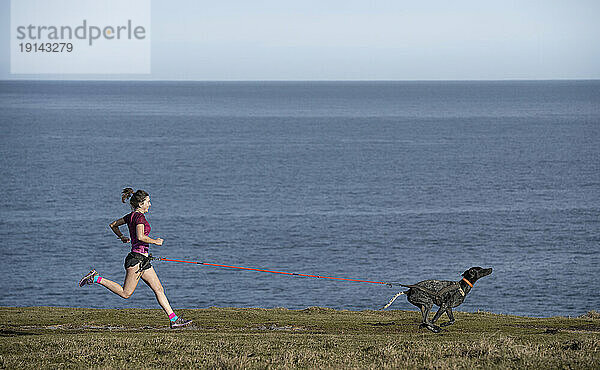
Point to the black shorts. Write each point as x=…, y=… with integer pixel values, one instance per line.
x=133, y=259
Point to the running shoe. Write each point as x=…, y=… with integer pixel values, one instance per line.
x=88, y=279
x=180, y=322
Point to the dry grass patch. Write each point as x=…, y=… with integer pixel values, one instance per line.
x=229, y=338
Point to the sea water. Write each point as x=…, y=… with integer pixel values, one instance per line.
x=382, y=181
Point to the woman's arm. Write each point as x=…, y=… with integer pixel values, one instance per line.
x=139, y=228
x=114, y=226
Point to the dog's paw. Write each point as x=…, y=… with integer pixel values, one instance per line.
x=433, y=328
x=447, y=323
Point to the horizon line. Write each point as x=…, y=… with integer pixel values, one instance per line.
x=291, y=80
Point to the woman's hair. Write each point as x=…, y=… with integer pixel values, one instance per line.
x=137, y=198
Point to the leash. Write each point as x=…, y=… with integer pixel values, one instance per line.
x=272, y=272
x=454, y=286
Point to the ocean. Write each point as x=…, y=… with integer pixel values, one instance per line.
x=381, y=181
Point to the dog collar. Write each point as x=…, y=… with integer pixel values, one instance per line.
x=468, y=282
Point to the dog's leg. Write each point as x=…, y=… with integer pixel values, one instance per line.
x=450, y=317
x=438, y=314
x=434, y=328
x=426, y=324
x=425, y=313
x=392, y=300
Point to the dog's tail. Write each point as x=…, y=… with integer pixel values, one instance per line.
x=392, y=300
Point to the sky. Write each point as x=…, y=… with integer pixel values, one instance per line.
x=362, y=40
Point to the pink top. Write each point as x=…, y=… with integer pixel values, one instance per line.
x=133, y=219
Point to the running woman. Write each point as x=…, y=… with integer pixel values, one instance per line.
x=137, y=263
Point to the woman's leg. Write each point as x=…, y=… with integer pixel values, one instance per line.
x=149, y=276
x=132, y=278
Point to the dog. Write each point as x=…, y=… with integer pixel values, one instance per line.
x=445, y=294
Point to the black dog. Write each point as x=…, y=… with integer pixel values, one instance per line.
x=445, y=294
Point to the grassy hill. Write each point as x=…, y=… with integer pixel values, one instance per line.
x=42, y=337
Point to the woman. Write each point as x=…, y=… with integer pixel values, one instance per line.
x=137, y=263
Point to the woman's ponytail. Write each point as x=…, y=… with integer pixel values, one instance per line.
x=137, y=198
x=127, y=192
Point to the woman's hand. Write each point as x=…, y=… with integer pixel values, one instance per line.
x=115, y=228
x=159, y=241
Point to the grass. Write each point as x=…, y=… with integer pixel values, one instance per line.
x=233, y=338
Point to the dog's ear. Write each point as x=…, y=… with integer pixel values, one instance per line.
x=470, y=273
